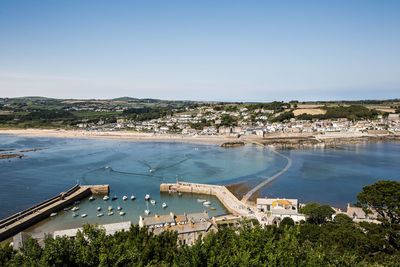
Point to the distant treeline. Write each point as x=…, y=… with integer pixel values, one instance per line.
x=144, y=114
x=353, y=112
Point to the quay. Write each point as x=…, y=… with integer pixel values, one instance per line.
x=24, y=219
x=231, y=203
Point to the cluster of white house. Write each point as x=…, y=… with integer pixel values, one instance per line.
x=181, y=123
x=273, y=210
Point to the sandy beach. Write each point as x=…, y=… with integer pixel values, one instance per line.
x=121, y=135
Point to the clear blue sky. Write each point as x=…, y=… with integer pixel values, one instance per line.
x=201, y=50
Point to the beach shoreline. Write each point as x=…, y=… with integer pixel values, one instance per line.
x=278, y=140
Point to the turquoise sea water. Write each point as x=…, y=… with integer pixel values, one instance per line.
x=326, y=176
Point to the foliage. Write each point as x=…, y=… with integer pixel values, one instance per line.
x=317, y=214
x=228, y=120
x=353, y=112
x=286, y=222
x=283, y=117
x=383, y=197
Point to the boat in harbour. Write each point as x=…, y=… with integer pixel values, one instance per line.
x=121, y=213
x=98, y=208
x=124, y=198
x=164, y=205
x=133, y=197
x=106, y=198
x=75, y=214
x=100, y=214
x=75, y=208
x=153, y=202
x=67, y=208
x=91, y=198
x=110, y=213
x=110, y=208
x=212, y=208
x=147, y=197
x=54, y=214
x=119, y=208
x=207, y=203
x=147, y=211
x=84, y=215
x=114, y=198
x=201, y=200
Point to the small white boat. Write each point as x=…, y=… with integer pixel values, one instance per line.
x=84, y=215
x=110, y=208
x=106, y=198
x=91, y=198
x=67, y=208
x=133, y=197
x=54, y=214
x=164, y=205
x=124, y=198
x=110, y=213
x=106, y=167
x=201, y=200
x=153, y=202
x=119, y=208
x=152, y=170
x=98, y=208
x=75, y=208
x=122, y=213
x=147, y=212
x=100, y=214
x=179, y=194
x=75, y=214
x=207, y=203
x=147, y=197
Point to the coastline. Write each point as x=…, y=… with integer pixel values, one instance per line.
x=121, y=135
x=277, y=140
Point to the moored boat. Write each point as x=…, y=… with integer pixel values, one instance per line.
x=147, y=197
x=147, y=212
x=164, y=205
x=124, y=198
x=207, y=203
x=54, y=214
x=106, y=198
x=75, y=208
x=67, y=208
x=133, y=197
x=84, y=215
x=110, y=213
x=114, y=198
x=201, y=200
x=98, y=208
x=110, y=208
x=91, y=198
x=77, y=202
x=212, y=208
x=153, y=202
x=75, y=214
x=100, y=214
x=122, y=213
x=119, y=208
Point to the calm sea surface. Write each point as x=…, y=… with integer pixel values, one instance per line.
x=327, y=176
